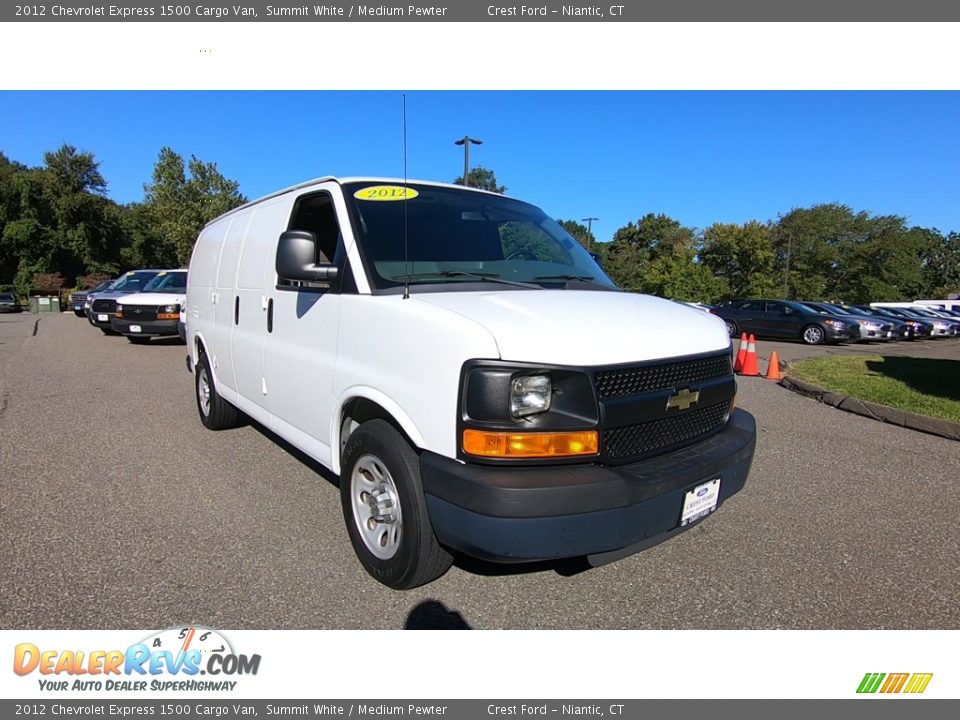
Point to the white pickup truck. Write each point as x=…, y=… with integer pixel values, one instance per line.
x=471, y=374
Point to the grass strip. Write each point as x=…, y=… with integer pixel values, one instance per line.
x=928, y=386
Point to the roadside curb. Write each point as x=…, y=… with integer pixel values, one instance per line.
x=874, y=411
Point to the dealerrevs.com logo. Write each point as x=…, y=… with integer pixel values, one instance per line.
x=171, y=659
x=892, y=683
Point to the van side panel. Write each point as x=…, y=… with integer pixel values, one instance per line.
x=267, y=221
x=224, y=311
x=200, y=283
x=412, y=352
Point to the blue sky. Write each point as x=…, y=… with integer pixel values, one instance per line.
x=700, y=157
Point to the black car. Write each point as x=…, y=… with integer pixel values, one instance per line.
x=9, y=302
x=786, y=319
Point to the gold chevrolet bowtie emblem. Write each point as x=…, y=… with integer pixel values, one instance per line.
x=683, y=399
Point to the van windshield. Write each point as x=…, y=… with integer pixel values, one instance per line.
x=464, y=236
x=134, y=281
x=167, y=282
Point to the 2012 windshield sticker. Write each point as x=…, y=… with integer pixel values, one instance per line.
x=146, y=665
x=386, y=192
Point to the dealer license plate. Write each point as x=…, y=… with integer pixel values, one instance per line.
x=135, y=328
x=700, y=502
x=102, y=318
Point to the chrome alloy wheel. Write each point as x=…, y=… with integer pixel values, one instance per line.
x=813, y=335
x=203, y=391
x=376, y=506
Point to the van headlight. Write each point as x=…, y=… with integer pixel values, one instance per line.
x=517, y=411
x=530, y=395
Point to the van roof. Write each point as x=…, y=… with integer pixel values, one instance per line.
x=341, y=181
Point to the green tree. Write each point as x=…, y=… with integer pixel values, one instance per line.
x=883, y=262
x=807, y=242
x=481, y=177
x=57, y=218
x=941, y=266
x=675, y=273
x=179, y=201
x=579, y=232
x=743, y=255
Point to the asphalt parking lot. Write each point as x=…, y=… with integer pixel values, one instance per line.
x=120, y=511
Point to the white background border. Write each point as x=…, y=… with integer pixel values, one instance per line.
x=610, y=664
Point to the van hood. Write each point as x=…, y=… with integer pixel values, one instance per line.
x=579, y=327
x=152, y=298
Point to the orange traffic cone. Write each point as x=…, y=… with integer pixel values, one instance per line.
x=773, y=367
x=741, y=354
x=750, y=361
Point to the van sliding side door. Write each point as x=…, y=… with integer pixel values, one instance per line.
x=251, y=302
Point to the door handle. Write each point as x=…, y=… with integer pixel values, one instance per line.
x=236, y=310
x=270, y=315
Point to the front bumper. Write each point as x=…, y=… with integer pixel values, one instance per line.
x=521, y=514
x=96, y=319
x=147, y=327
x=834, y=334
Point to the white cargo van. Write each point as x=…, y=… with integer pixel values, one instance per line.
x=469, y=372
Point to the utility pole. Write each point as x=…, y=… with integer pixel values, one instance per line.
x=786, y=274
x=589, y=222
x=465, y=141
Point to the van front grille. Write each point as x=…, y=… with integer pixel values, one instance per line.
x=638, y=379
x=633, y=441
x=104, y=306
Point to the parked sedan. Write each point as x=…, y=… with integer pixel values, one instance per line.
x=871, y=328
x=915, y=328
x=786, y=319
x=9, y=302
x=941, y=327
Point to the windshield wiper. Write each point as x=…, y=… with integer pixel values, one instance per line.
x=582, y=278
x=482, y=276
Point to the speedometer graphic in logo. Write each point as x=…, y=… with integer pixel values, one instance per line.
x=181, y=640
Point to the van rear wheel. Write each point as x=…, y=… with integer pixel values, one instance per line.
x=215, y=412
x=385, y=510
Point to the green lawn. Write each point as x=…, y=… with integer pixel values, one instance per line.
x=920, y=385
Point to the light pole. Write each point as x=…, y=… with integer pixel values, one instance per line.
x=589, y=222
x=465, y=141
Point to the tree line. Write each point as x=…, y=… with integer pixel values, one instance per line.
x=57, y=226
x=823, y=252
x=59, y=229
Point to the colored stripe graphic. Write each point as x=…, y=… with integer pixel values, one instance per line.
x=918, y=683
x=894, y=683
x=870, y=682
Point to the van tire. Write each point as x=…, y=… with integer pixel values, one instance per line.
x=215, y=412
x=417, y=556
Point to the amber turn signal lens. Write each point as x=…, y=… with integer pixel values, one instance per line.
x=529, y=445
x=168, y=316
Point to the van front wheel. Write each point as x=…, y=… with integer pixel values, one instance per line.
x=385, y=510
x=215, y=412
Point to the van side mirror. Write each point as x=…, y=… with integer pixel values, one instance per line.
x=296, y=252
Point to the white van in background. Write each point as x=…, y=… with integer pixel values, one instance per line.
x=469, y=372
x=935, y=304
